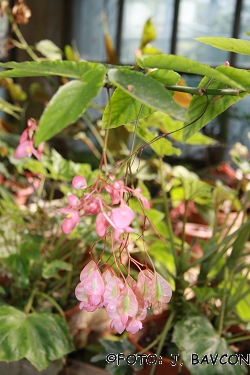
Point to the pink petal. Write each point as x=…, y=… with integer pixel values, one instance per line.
x=101, y=224
x=117, y=324
x=127, y=302
x=134, y=326
x=88, y=269
x=122, y=216
x=73, y=200
x=94, y=283
x=24, y=136
x=24, y=149
x=162, y=290
x=70, y=222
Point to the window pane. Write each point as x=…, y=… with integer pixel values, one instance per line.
x=243, y=60
x=136, y=13
x=199, y=18
x=88, y=27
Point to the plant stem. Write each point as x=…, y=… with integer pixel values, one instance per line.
x=183, y=233
x=238, y=339
x=20, y=37
x=167, y=215
x=224, y=300
x=163, y=335
x=30, y=301
x=201, y=91
x=53, y=302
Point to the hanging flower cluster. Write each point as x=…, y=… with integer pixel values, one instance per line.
x=126, y=301
x=119, y=217
x=26, y=143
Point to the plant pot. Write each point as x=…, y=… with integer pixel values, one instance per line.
x=149, y=324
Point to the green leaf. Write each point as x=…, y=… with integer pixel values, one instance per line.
x=227, y=44
x=51, y=269
x=40, y=338
x=18, y=264
x=49, y=49
x=124, y=109
x=167, y=77
x=182, y=64
x=62, y=169
x=212, y=109
x=70, y=69
x=146, y=90
x=68, y=104
x=239, y=75
x=195, y=334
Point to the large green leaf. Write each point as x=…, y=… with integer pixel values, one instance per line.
x=227, y=44
x=68, y=69
x=146, y=90
x=200, y=345
x=124, y=109
x=182, y=64
x=68, y=104
x=40, y=338
x=212, y=109
x=167, y=77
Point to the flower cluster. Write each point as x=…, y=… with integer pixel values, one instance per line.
x=126, y=301
x=26, y=143
x=117, y=214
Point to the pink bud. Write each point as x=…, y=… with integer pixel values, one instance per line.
x=79, y=182
x=227, y=63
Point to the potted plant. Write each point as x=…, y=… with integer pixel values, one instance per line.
x=115, y=201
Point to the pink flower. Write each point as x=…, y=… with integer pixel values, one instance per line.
x=91, y=288
x=122, y=216
x=26, y=148
x=115, y=191
x=71, y=220
x=91, y=205
x=79, y=182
